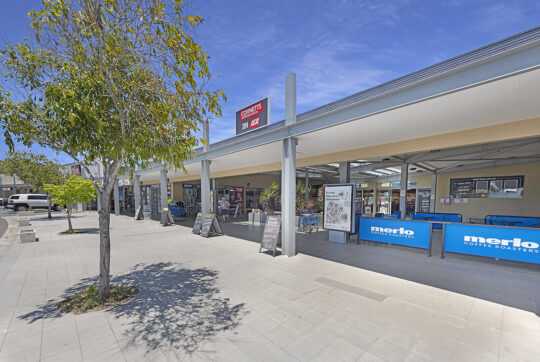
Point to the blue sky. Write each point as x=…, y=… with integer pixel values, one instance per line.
x=335, y=47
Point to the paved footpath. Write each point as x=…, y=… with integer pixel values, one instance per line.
x=219, y=299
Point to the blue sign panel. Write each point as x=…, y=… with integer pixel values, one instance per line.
x=401, y=232
x=494, y=242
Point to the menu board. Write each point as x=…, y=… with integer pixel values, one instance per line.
x=424, y=200
x=198, y=224
x=271, y=233
x=210, y=226
x=338, y=207
x=501, y=187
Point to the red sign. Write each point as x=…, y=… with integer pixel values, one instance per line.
x=254, y=122
x=251, y=111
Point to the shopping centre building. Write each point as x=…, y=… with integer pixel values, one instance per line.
x=461, y=137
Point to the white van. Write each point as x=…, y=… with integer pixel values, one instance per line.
x=23, y=202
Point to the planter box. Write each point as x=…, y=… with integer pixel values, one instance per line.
x=27, y=236
x=24, y=222
x=25, y=213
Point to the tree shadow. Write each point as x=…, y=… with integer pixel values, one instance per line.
x=176, y=307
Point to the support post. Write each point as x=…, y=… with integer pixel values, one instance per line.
x=403, y=190
x=116, y=196
x=215, y=198
x=137, y=192
x=288, y=173
x=307, y=186
x=344, y=172
x=205, y=187
x=163, y=189
x=433, y=192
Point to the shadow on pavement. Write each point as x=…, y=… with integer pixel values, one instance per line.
x=176, y=307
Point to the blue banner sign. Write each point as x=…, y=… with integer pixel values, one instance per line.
x=401, y=232
x=494, y=242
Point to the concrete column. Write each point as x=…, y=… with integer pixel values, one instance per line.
x=374, y=206
x=116, y=196
x=307, y=185
x=215, y=199
x=205, y=187
x=163, y=189
x=403, y=190
x=288, y=173
x=433, y=200
x=206, y=134
x=344, y=172
x=288, y=196
x=137, y=192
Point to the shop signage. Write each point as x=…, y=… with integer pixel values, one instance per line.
x=398, y=183
x=338, y=207
x=271, y=233
x=510, y=243
x=254, y=116
x=191, y=186
x=400, y=232
x=500, y=187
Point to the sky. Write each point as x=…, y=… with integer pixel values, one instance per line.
x=335, y=47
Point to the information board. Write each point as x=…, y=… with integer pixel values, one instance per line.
x=147, y=212
x=271, y=233
x=198, y=224
x=511, y=243
x=338, y=207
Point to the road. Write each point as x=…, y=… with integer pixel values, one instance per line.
x=3, y=226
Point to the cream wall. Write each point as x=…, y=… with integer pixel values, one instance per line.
x=529, y=205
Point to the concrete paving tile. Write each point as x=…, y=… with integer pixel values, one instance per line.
x=264, y=350
x=57, y=340
x=370, y=357
x=281, y=336
x=388, y=351
x=26, y=355
x=343, y=350
x=303, y=348
x=72, y=355
x=94, y=332
x=111, y=355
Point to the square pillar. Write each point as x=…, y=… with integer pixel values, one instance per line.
x=433, y=192
x=137, y=192
x=205, y=187
x=288, y=196
x=307, y=186
x=344, y=172
x=116, y=196
x=163, y=189
x=403, y=190
x=215, y=198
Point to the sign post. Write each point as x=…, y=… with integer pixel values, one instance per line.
x=254, y=116
x=338, y=207
x=198, y=224
x=271, y=233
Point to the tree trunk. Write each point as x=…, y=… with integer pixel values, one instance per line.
x=49, y=207
x=68, y=212
x=104, y=245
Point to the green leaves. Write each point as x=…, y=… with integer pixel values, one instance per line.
x=35, y=170
x=75, y=189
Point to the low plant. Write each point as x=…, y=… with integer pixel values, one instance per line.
x=89, y=299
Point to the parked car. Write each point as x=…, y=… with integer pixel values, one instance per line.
x=23, y=202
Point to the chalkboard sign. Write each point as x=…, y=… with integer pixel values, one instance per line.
x=198, y=224
x=271, y=233
x=147, y=212
x=210, y=226
x=139, y=213
x=207, y=225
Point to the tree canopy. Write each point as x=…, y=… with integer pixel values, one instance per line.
x=75, y=189
x=36, y=170
x=122, y=82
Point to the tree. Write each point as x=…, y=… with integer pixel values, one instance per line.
x=75, y=189
x=121, y=82
x=36, y=170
